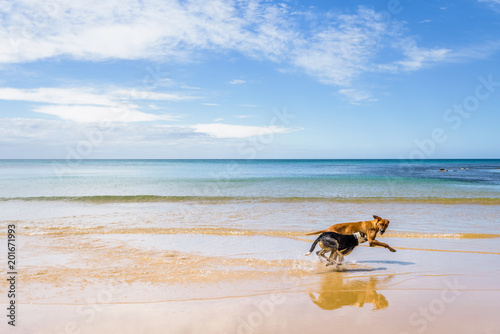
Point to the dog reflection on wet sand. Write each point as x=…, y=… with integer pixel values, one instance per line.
x=336, y=292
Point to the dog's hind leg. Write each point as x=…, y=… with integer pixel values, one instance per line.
x=322, y=254
x=332, y=259
x=340, y=257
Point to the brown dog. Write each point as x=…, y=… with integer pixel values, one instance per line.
x=370, y=227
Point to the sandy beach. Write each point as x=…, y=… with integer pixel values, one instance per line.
x=181, y=252
x=230, y=281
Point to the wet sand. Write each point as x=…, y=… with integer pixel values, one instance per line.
x=258, y=283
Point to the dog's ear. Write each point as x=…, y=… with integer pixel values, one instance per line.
x=377, y=217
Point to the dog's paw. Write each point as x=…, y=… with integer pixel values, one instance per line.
x=392, y=250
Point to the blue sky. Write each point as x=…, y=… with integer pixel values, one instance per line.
x=249, y=79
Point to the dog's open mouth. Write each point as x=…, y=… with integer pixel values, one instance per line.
x=382, y=232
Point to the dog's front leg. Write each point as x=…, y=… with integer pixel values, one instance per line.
x=371, y=240
x=381, y=244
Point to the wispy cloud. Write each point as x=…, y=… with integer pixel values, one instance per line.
x=477, y=51
x=244, y=116
x=497, y=2
x=220, y=130
x=33, y=132
x=85, y=113
x=29, y=138
x=417, y=57
x=56, y=131
x=84, y=96
x=355, y=96
x=334, y=52
x=237, y=82
x=136, y=94
x=341, y=51
x=334, y=48
x=87, y=96
x=96, y=30
x=91, y=105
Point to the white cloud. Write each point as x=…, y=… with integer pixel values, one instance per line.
x=49, y=133
x=477, y=51
x=355, y=96
x=96, y=30
x=29, y=138
x=57, y=95
x=237, y=82
x=33, y=132
x=350, y=46
x=417, y=57
x=87, y=96
x=220, y=130
x=335, y=52
x=244, y=116
x=340, y=52
x=211, y=104
x=83, y=113
x=334, y=48
x=90, y=105
x=135, y=94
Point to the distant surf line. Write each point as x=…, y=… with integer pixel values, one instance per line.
x=104, y=199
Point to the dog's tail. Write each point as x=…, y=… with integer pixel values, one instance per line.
x=317, y=232
x=313, y=246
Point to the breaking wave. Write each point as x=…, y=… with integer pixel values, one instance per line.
x=103, y=199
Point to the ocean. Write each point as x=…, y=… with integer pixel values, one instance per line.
x=477, y=180
x=457, y=198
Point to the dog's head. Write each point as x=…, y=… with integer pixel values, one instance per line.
x=382, y=224
x=361, y=236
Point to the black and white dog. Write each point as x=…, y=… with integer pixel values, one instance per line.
x=338, y=244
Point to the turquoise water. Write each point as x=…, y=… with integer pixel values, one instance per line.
x=240, y=196
x=174, y=180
